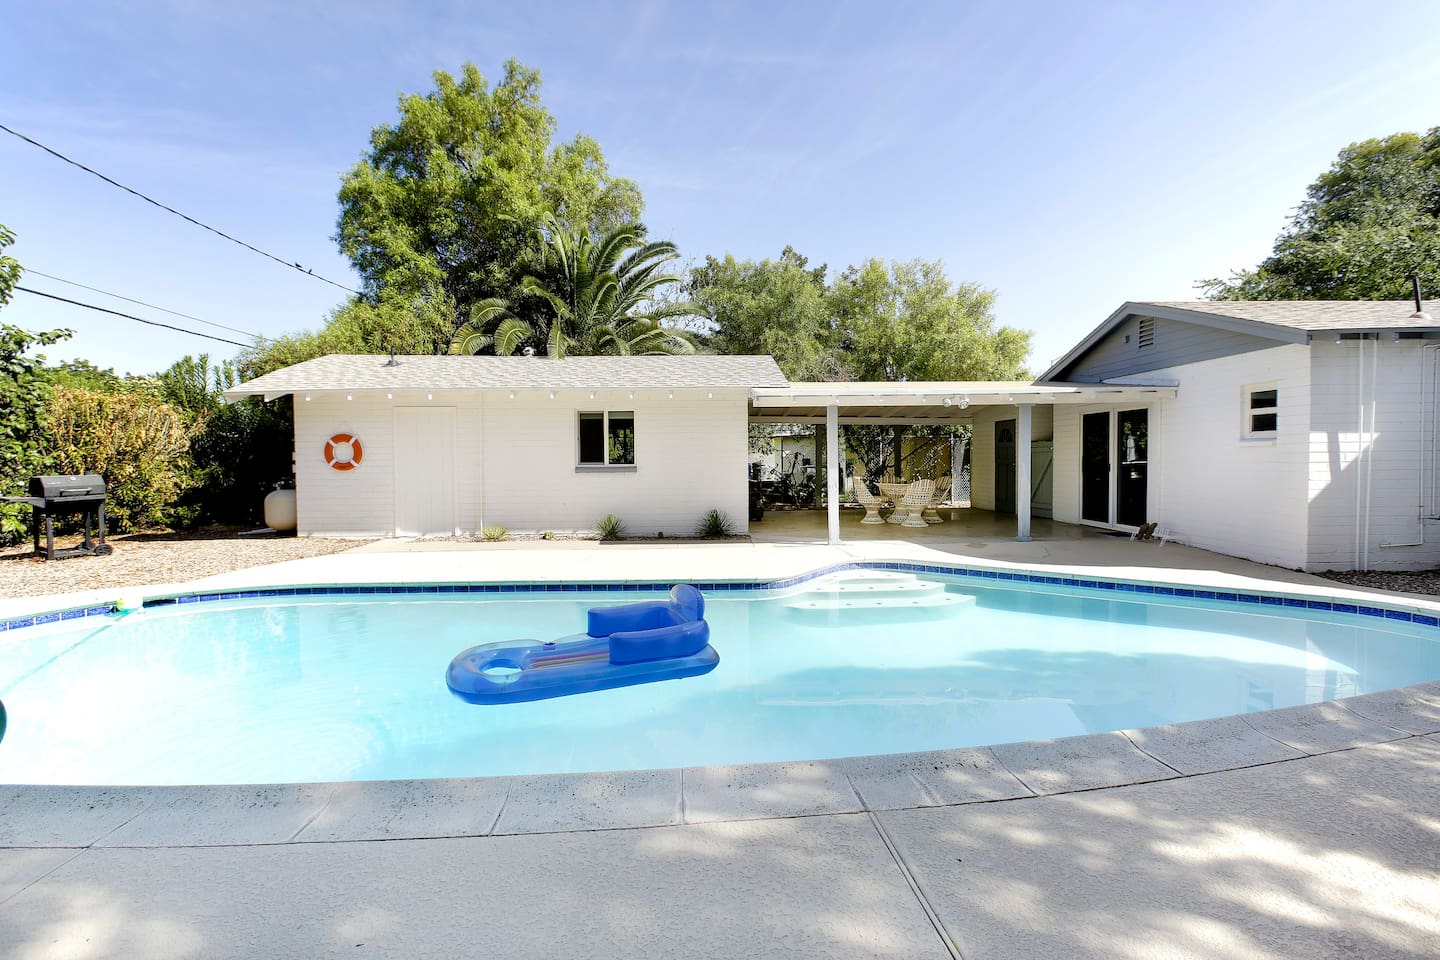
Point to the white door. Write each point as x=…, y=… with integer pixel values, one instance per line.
x=424, y=471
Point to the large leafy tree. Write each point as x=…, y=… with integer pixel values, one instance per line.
x=447, y=204
x=776, y=307
x=1367, y=225
x=25, y=395
x=907, y=321
x=602, y=296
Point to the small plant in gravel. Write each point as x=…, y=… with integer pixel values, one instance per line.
x=548, y=535
x=609, y=527
x=493, y=534
x=714, y=525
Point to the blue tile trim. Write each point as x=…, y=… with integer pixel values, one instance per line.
x=971, y=573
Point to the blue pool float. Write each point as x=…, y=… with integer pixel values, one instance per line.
x=633, y=643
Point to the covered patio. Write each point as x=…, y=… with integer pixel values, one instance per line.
x=981, y=405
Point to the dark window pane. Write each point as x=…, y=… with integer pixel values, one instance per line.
x=1263, y=422
x=622, y=437
x=592, y=438
x=1263, y=400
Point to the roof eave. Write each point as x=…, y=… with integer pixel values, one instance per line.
x=1131, y=308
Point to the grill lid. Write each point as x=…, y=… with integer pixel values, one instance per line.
x=68, y=486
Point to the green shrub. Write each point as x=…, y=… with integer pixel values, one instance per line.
x=715, y=525
x=140, y=445
x=493, y=533
x=548, y=535
x=610, y=527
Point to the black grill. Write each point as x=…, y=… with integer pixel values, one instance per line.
x=58, y=495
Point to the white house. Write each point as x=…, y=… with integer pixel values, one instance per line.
x=1300, y=433
x=445, y=445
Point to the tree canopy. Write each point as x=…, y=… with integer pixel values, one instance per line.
x=448, y=204
x=1366, y=226
x=901, y=321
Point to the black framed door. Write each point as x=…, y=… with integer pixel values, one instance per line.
x=1004, y=466
x=1095, y=467
x=1132, y=431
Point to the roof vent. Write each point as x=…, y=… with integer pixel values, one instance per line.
x=392, y=362
x=1419, y=313
x=528, y=351
x=1146, y=334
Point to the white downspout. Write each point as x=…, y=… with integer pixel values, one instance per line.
x=1370, y=449
x=1359, y=448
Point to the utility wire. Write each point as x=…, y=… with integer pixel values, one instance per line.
x=142, y=303
x=205, y=226
x=127, y=316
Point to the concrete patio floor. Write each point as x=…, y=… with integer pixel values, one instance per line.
x=1307, y=832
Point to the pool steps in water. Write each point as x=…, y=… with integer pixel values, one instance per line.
x=877, y=590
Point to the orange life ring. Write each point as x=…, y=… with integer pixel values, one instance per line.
x=347, y=459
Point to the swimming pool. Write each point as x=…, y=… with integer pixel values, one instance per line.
x=275, y=688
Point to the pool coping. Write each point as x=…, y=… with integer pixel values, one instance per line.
x=225, y=815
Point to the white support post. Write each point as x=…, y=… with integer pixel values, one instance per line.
x=1022, y=472
x=832, y=471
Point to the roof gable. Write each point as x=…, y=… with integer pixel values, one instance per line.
x=1272, y=321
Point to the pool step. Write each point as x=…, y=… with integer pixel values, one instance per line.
x=878, y=591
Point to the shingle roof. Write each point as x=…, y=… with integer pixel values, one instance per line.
x=370, y=372
x=1310, y=314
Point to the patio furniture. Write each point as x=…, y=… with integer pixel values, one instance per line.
x=931, y=513
x=869, y=501
x=894, y=492
x=913, y=503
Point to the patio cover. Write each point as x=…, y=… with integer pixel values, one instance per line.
x=935, y=403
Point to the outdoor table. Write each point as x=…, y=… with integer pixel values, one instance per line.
x=894, y=492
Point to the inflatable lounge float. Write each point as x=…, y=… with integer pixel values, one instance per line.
x=634, y=643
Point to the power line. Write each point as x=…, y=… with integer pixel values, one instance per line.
x=205, y=226
x=175, y=313
x=127, y=316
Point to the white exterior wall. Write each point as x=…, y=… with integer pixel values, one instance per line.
x=1217, y=490
x=515, y=462
x=1369, y=483
x=982, y=446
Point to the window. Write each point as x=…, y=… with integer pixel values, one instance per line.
x=607, y=439
x=1262, y=411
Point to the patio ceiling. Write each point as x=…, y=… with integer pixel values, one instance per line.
x=933, y=402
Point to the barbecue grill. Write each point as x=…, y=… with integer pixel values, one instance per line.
x=58, y=495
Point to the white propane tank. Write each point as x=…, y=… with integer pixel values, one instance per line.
x=280, y=510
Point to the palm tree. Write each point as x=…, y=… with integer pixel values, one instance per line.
x=602, y=295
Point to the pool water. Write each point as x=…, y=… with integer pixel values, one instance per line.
x=275, y=690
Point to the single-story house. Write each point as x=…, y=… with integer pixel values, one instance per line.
x=1301, y=433
x=1298, y=433
x=446, y=445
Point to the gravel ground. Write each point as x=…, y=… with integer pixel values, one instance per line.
x=1424, y=581
x=155, y=557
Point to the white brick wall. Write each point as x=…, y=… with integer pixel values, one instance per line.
x=1344, y=488
x=1218, y=490
x=515, y=462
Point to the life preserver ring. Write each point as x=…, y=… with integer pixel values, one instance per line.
x=343, y=452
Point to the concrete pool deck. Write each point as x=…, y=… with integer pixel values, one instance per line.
x=1312, y=831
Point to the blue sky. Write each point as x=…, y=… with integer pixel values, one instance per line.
x=1070, y=156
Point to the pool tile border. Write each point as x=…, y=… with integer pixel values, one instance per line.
x=1149, y=588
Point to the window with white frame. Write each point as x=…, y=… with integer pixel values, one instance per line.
x=607, y=438
x=1262, y=410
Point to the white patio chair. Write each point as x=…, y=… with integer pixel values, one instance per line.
x=917, y=497
x=869, y=501
x=931, y=513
